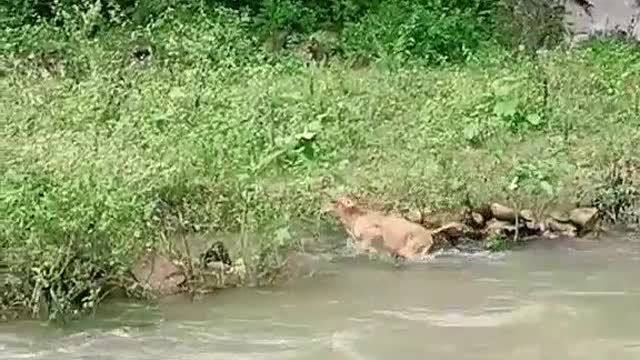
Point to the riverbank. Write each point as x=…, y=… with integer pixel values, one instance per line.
x=111, y=149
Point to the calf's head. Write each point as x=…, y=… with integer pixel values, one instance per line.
x=344, y=208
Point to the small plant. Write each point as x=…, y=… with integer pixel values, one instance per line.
x=617, y=194
x=532, y=178
x=497, y=243
x=510, y=108
x=476, y=131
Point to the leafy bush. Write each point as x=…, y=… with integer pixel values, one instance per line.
x=437, y=31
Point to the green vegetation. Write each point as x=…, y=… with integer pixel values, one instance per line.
x=497, y=243
x=126, y=124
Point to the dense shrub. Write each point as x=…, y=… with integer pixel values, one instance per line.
x=434, y=30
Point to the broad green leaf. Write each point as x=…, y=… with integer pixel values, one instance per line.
x=546, y=187
x=176, y=93
x=315, y=126
x=514, y=183
x=507, y=107
x=282, y=235
x=503, y=87
x=471, y=132
x=534, y=119
x=306, y=135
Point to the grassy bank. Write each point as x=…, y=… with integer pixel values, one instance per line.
x=103, y=156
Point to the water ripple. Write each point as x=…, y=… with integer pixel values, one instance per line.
x=489, y=317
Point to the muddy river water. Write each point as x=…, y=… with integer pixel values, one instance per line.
x=577, y=299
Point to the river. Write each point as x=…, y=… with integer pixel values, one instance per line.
x=558, y=299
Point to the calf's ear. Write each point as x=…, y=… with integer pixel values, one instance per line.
x=348, y=202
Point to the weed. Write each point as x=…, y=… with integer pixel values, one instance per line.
x=497, y=243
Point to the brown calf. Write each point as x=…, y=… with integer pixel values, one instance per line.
x=375, y=231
